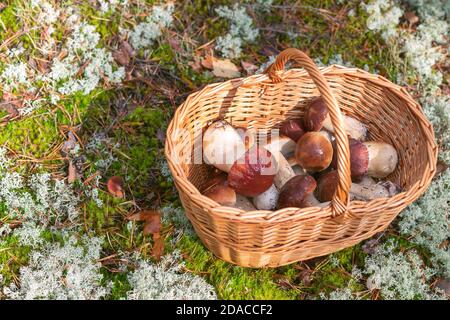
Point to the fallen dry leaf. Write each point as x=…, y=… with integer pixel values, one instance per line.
x=115, y=186
x=72, y=174
x=69, y=144
x=152, y=226
x=151, y=219
x=158, y=246
x=250, y=68
x=196, y=65
x=207, y=62
x=124, y=54
x=411, y=17
x=224, y=68
x=152, y=223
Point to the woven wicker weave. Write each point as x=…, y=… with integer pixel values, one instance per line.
x=274, y=238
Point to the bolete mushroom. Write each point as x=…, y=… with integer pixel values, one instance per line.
x=317, y=117
x=298, y=192
x=376, y=159
x=253, y=173
x=222, y=145
x=293, y=129
x=314, y=151
x=327, y=184
x=222, y=194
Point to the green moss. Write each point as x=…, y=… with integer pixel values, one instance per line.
x=9, y=20
x=233, y=282
x=12, y=257
x=34, y=137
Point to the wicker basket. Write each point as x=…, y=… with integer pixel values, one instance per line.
x=275, y=238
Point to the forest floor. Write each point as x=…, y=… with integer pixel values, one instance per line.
x=88, y=89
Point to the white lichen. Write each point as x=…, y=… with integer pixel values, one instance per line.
x=399, y=275
x=241, y=31
x=145, y=33
x=166, y=281
x=63, y=272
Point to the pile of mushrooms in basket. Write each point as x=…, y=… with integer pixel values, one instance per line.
x=296, y=168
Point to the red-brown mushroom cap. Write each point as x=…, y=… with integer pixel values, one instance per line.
x=293, y=193
x=359, y=158
x=293, y=129
x=253, y=173
x=327, y=185
x=222, y=194
x=314, y=151
x=315, y=114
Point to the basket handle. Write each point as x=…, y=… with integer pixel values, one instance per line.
x=340, y=198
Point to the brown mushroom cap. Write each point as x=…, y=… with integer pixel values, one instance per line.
x=314, y=151
x=315, y=114
x=359, y=158
x=293, y=129
x=326, y=186
x=295, y=191
x=253, y=173
x=222, y=194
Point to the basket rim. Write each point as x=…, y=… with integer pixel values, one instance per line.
x=314, y=213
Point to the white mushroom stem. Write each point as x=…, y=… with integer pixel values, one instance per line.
x=354, y=128
x=222, y=145
x=285, y=171
x=267, y=200
x=282, y=144
x=384, y=189
x=244, y=203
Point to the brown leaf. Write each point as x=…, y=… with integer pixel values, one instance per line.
x=158, y=246
x=121, y=57
x=207, y=62
x=124, y=54
x=441, y=166
x=411, y=17
x=135, y=217
x=224, y=68
x=196, y=65
x=152, y=223
x=127, y=47
x=305, y=276
x=115, y=186
x=69, y=144
x=444, y=285
x=72, y=174
x=151, y=219
x=174, y=43
x=250, y=68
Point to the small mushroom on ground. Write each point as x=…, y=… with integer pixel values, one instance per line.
x=317, y=117
x=298, y=192
x=327, y=184
x=314, y=151
x=222, y=145
x=253, y=173
x=293, y=129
